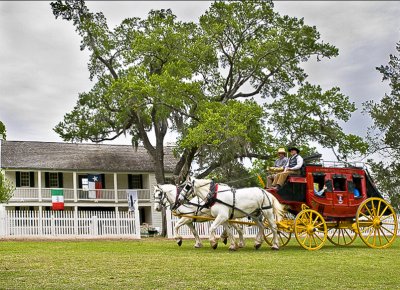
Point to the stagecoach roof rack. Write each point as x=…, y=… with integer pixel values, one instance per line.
x=344, y=164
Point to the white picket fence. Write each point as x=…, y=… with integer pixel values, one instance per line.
x=67, y=224
x=203, y=229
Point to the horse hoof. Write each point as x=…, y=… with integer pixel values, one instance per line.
x=197, y=246
x=215, y=246
x=241, y=245
x=257, y=246
x=179, y=242
x=232, y=249
x=274, y=248
x=225, y=241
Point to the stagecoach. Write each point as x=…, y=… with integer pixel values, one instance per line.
x=338, y=215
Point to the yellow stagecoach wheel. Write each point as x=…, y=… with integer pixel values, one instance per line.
x=341, y=236
x=376, y=223
x=283, y=236
x=310, y=229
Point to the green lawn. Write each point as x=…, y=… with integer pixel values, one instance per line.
x=156, y=263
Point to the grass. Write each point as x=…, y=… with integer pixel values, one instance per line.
x=157, y=263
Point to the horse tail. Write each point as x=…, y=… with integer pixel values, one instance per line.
x=278, y=208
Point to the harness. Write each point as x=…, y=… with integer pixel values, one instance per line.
x=212, y=198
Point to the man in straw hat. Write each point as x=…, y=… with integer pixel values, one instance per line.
x=292, y=166
x=278, y=166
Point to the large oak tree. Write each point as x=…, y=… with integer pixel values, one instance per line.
x=199, y=80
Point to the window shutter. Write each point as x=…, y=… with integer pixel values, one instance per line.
x=18, y=179
x=60, y=180
x=130, y=186
x=103, y=181
x=46, y=180
x=32, y=179
x=80, y=180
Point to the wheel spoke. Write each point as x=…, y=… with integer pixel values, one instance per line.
x=373, y=208
x=378, y=208
x=367, y=216
x=387, y=230
x=380, y=216
x=386, y=217
x=370, y=213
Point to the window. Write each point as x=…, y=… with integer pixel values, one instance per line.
x=53, y=179
x=135, y=181
x=318, y=180
x=25, y=179
x=339, y=182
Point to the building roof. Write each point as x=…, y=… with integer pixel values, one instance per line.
x=79, y=157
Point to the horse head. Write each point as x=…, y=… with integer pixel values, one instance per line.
x=187, y=191
x=160, y=199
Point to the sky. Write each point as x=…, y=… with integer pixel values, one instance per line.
x=42, y=69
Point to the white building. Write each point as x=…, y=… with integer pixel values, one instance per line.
x=37, y=167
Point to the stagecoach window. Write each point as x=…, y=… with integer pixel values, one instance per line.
x=319, y=180
x=339, y=184
x=357, y=180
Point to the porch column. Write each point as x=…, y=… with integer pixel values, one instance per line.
x=74, y=182
x=39, y=173
x=115, y=187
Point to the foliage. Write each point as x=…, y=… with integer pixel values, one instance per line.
x=159, y=75
x=383, y=135
x=311, y=115
x=6, y=188
x=161, y=264
x=3, y=131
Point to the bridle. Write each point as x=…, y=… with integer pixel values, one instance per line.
x=161, y=198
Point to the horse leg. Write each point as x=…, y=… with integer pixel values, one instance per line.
x=224, y=236
x=259, y=237
x=198, y=243
x=271, y=221
x=217, y=222
x=183, y=221
x=239, y=229
x=233, y=246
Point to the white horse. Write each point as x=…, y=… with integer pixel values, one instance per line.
x=229, y=203
x=166, y=195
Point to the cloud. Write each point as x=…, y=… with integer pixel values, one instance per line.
x=42, y=69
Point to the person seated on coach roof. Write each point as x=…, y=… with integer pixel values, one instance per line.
x=292, y=167
x=278, y=166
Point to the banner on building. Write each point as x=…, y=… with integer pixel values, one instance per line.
x=132, y=199
x=94, y=184
x=57, y=199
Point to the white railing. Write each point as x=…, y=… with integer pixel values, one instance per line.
x=25, y=193
x=107, y=195
x=143, y=194
x=71, y=224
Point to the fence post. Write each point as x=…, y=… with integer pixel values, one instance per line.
x=169, y=223
x=76, y=221
x=52, y=224
x=137, y=220
x=40, y=221
x=95, y=226
x=3, y=220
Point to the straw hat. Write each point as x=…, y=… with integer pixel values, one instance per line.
x=282, y=150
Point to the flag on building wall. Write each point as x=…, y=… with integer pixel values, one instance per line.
x=57, y=199
x=132, y=199
x=94, y=185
